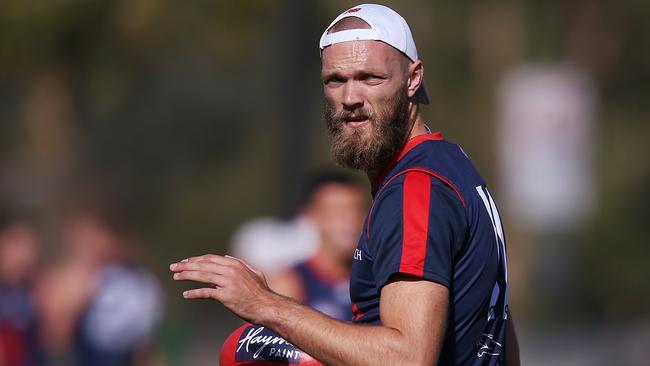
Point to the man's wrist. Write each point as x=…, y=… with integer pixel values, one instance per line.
x=277, y=312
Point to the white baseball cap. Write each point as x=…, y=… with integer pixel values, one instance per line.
x=386, y=25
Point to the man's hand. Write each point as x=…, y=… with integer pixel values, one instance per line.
x=231, y=281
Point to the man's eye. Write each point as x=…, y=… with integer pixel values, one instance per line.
x=372, y=78
x=333, y=80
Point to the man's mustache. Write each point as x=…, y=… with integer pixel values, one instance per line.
x=344, y=115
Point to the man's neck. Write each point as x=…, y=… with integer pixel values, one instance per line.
x=418, y=125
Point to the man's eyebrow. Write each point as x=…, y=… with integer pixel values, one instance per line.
x=354, y=75
x=364, y=73
x=333, y=74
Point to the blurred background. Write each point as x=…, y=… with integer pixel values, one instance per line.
x=136, y=133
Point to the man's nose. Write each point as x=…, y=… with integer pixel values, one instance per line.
x=352, y=96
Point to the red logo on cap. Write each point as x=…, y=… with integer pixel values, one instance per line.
x=353, y=10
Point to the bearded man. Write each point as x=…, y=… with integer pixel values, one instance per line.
x=429, y=276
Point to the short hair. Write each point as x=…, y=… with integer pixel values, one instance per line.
x=317, y=180
x=5, y=220
x=10, y=216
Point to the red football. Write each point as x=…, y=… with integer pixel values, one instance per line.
x=256, y=345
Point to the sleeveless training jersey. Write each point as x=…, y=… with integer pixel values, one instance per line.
x=329, y=296
x=432, y=217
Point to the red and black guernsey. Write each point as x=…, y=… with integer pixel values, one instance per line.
x=432, y=217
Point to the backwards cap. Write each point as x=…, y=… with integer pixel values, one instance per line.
x=386, y=25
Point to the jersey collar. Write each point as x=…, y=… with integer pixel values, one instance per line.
x=410, y=145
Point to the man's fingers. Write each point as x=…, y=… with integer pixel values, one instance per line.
x=205, y=266
x=206, y=257
x=200, y=276
x=220, y=259
x=202, y=293
x=213, y=258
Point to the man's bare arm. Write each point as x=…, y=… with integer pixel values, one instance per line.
x=413, y=325
x=413, y=313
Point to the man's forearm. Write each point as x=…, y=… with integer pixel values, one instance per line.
x=332, y=341
x=336, y=342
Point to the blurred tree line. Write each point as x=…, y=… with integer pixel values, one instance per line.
x=193, y=116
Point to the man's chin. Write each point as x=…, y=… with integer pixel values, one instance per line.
x=359, y=135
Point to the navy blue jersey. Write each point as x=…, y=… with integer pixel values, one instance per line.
x=327, y=295
x=432, y=217
x=18, y=327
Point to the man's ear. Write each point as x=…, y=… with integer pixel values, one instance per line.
x=415, y=77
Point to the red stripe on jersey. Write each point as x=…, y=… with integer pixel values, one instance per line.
x=356, y=313
x=417, y=192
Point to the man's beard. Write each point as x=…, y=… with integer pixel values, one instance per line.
x=369, y=150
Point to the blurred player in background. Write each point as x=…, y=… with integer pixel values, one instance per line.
x=335, y=204
x=98, y=308
x=19, y=251
x=429, y=276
